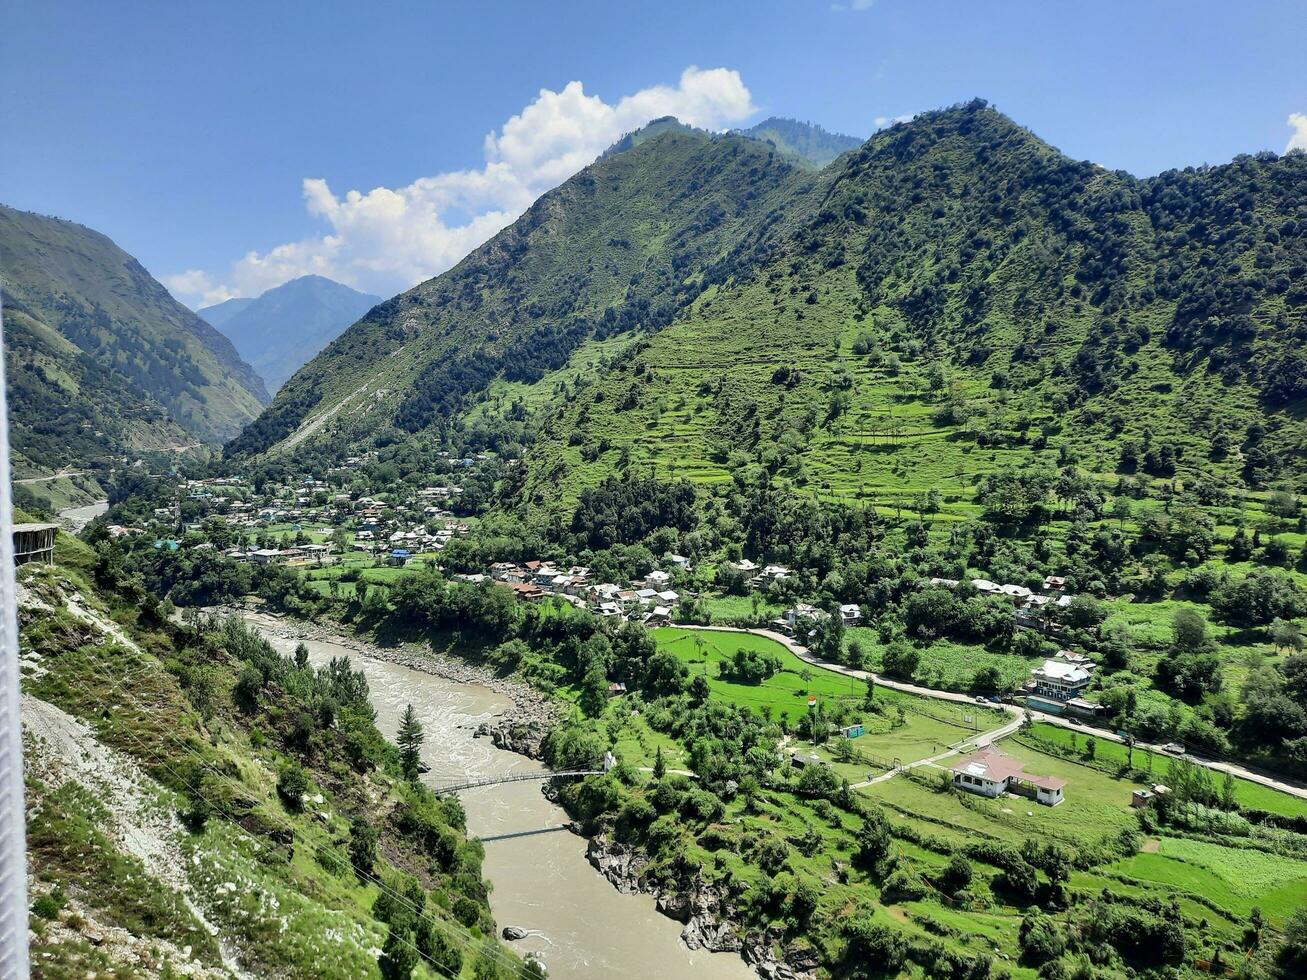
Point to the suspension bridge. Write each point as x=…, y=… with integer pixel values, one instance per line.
x=515, y=777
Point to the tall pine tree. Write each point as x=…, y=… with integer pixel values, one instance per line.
x=410, y=741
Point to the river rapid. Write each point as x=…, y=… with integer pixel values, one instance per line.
x=577, y=923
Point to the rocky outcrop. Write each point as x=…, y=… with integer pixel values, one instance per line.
x=621, y=864
x=709, y=914
x=514, y=933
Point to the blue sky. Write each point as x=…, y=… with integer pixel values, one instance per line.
x=219, y=142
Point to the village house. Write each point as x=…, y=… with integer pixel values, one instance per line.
x=657, y=579
x=790, y=622
x=528, y=591
x=610, y=610
x=1060, y=680
x=771, y=573
x=658, y=616
x=992, y=772
x=605, y=592
x=851, y=613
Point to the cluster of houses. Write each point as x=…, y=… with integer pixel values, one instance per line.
x=650, y=600
x=1028, y=604
x=414, y=522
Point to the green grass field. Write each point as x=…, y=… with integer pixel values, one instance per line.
x=905, y=727
x=1247, y=793
x=1237, y=879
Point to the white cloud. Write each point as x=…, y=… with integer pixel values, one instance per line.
x=1298, y=141
x=853, y=5
x=883, y=121
x=196, y=286
x=389, y=239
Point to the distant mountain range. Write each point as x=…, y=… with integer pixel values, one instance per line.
x=286, y=326
x=101, y=359
x=805, y=144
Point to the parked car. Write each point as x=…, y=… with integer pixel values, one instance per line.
x=1175, y=748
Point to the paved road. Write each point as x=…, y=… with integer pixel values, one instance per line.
x=1280, y=783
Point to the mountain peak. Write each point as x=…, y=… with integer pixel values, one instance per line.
x=285, y=326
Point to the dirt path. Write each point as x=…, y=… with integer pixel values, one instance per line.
x=53, y=476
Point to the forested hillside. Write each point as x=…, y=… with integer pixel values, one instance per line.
x=622, y=246
x=201, y=805
x=101, y=359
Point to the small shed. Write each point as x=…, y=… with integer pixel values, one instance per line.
x=34, y=542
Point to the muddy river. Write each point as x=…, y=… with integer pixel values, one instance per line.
x=578, y=924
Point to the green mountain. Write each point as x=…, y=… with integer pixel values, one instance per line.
x=624, y=245
x=953, y=298
x=964, y=299
x=806, y=143
x=280, y=330
x=101, y=359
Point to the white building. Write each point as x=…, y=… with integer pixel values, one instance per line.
x=1059, y=679
x=991, y=772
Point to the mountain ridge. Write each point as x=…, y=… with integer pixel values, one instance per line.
x=949, y=240
x=98, y=345
x=282, y=328
x=502, y=324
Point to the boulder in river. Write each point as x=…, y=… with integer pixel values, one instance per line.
x=514, y=933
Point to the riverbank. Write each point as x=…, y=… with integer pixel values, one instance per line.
x=546, y=892
x=709, y=921
x=521, y=729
